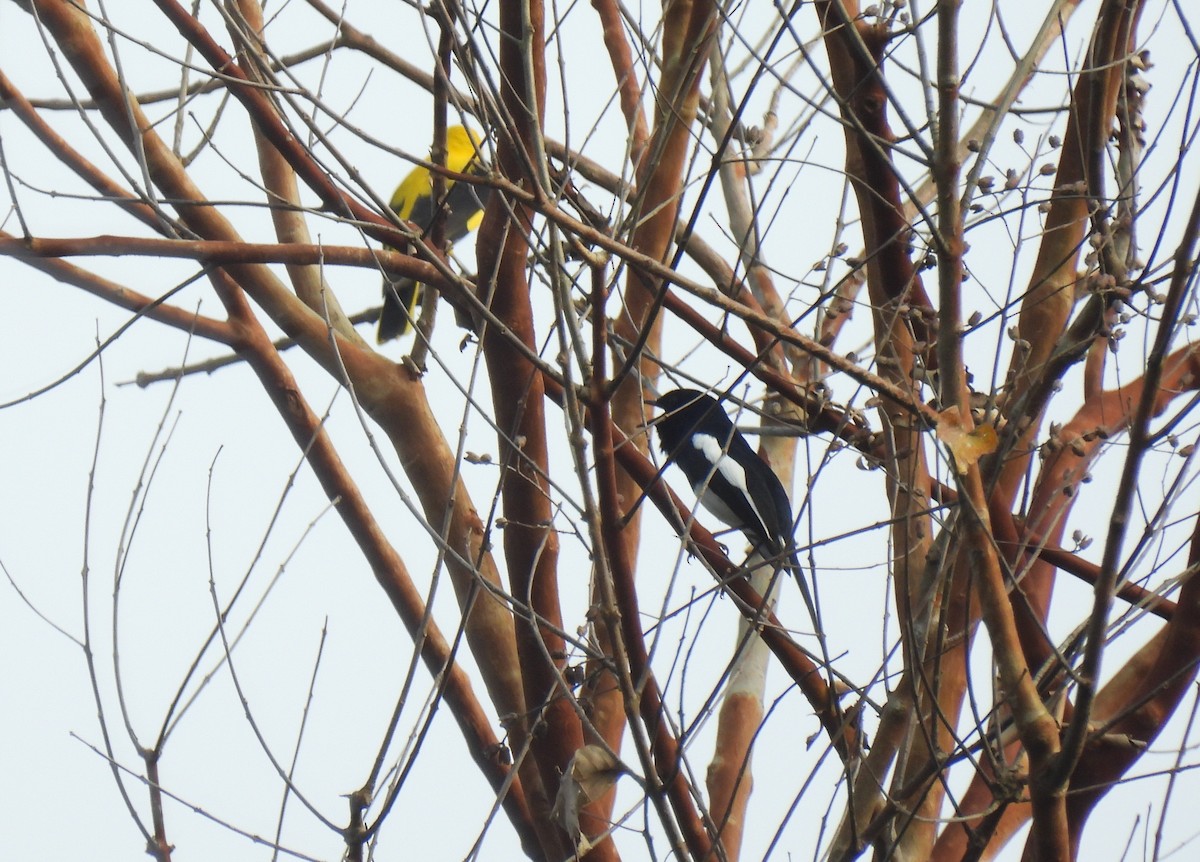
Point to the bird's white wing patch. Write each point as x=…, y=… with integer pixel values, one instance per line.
x=716, y=456
x=733, y=473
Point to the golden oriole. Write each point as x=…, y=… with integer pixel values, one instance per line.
x=462, y=209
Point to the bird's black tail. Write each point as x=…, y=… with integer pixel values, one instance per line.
x=792, y=564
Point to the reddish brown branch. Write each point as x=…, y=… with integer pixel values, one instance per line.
x=1144, y=710
x=1034, y=548
x=1036, y=555
x=687, y=34
x=518, y=396
x=158, y=846
x=46, y=256
x=619, y=55
x=15, y=101
x=393, y=399
x=1047, y=304
x=859, y=83
x=642, y=687
x=219, y=252
x=390, y=572
x=902, y=325
x=1184, y=630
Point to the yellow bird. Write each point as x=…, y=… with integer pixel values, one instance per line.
x=462, y=207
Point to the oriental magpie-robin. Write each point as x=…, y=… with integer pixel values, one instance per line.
x=726, y=474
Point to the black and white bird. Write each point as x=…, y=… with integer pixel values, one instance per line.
x=726, y=474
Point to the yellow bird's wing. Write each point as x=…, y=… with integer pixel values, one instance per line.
x=464, y=205
x=413, y=201
x=415, y=187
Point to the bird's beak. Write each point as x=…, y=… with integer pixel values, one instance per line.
x=650, y=421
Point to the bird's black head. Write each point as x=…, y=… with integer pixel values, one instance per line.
x=680, y=400
x=686, y=411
